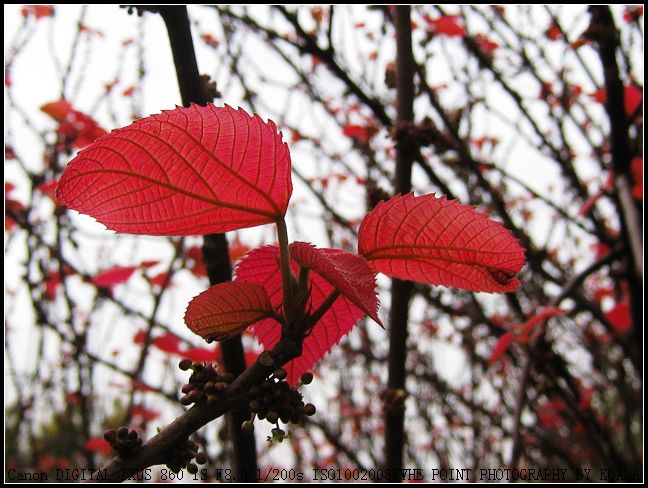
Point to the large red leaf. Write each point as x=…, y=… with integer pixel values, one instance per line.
x=262, y=266
x=195, y=170
x=435, y=240
x=349, y=273
x=226, y=309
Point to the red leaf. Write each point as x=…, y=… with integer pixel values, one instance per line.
x=160, y=279
x=633, y=97
x=210, y=40
x=349, y=273
x=195, y=254
x=146, y=414
x=202, y=354
x=447, y=25
x=620, y=317
x=586, y=394
x=251, y=357
x=440, y=241
x=225, y=170
x=99, y=445
x=167, y=342
x=226, y=309
x=74, y=125
x=48, y=188
x=360, y=132
x=599, y=96
x=535, y=320
x=501, y=347
x=58, y=110
x=114, y=276
x=262, y=266
x=38, y=11
x=139, y=337
x=553, y=33
x=633, y=13
x=588, y=204
x=636, y=166
x=485, y=44
x=237, y=250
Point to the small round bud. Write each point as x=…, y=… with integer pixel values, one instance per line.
x=273, y=417
x=247, y=426
x=192, y=468
x=186, y=388
x=122, y=433
x=185, y=364
x=228, y=377
x=306, y=378
x=201, y=458
x=309, y=409
x=110, y=435
x=132, y=435
x=195, y=395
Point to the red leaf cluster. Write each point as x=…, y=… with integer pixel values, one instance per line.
x=74, y=126
x=262, y=266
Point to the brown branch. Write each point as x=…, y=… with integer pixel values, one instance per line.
x=401, y=290
x=158, y=448
x=569, y=288
x=604, y=32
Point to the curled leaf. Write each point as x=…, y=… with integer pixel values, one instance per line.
x=349, y=273
x=226, y=309
x=439, y=241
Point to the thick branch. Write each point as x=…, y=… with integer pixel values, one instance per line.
x=157, y=449
x=401, y=290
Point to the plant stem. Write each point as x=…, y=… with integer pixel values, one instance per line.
x=323, y=308
x=401, y=290
x=286, y=274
